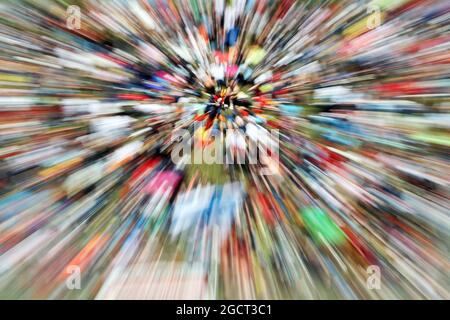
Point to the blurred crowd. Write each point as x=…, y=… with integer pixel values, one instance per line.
x=92, y=92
